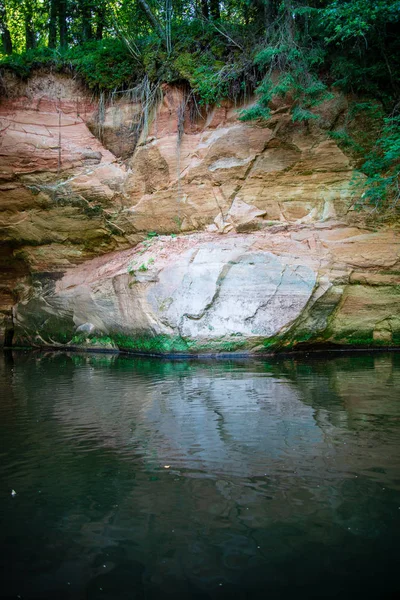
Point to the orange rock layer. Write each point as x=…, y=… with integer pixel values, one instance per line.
x=81, y=178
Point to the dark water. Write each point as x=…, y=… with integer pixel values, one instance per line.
x=283, y=477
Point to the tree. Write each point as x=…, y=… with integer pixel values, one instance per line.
x=30, y=36
x=5, y=32
x=101, y=16
x=62, y=22
x=214, y=9
x=53, y=24
x=152, y=18
x=204, y=9
x=85, y=7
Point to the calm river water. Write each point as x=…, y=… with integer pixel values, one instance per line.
x=134, y=478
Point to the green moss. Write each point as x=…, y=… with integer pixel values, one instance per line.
x=232, y=346
x=359, y=338
x=288, y=341
x=93, y=210
x=165, y=304
x=83, y=339
x=185, y=64
x=158, y=344
x=78, y=339
x=166, y=344
x=396, y=338
x=219, y=345
x=389, y=272
x=272, y=342
x=351, y=338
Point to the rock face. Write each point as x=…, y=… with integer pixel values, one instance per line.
x=240, y=292
x=268, y=252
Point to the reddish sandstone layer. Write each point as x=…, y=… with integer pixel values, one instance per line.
x=67, y=196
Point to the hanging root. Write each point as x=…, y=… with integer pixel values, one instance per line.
x=148, y=96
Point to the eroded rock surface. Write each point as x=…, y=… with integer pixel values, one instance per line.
x=279, y=256
x=208, y=293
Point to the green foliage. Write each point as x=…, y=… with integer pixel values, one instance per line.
x=302, y=114
x=289, y=76
x=23, y=64
x=382, y=167
x=217, y=80
x=104, y=65
x=131, y=270
x=373, y=140
x=157, y=344
x=202, y=56
x=255, y=112
x=260, y=110
x=95, y=341
x=342, y=21
x=344, y=140
x=209, y=84
x=142, y=268
x=185, y=64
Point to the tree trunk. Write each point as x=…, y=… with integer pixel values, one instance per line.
x=152, y=19
x=204, y=9
x=30, y=37
x=5, y=32
x=53, y=24
x=268, y=12
x=86, y=13
x=7, y=42
x=101, y=22
x=214, y=9
x=62, y=23
x=289, y=20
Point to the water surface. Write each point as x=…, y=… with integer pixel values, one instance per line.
x=151, y=479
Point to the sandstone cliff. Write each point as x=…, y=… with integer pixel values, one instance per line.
x=257, y=248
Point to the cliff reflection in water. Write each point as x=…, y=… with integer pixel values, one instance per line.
x=199, y=478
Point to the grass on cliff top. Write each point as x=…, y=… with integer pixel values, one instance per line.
x=104, y=65
x=213, y=69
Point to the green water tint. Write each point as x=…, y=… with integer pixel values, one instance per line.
x=283, y=477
